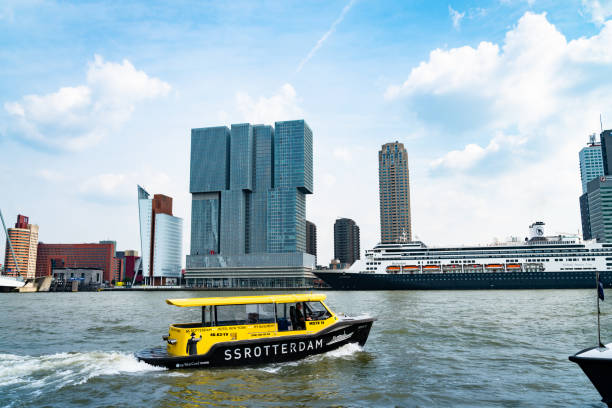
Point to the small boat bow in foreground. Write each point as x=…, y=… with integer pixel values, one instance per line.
x=596, y=362
x=245, y=330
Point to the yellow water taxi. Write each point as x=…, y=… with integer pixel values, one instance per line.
x=243, y=330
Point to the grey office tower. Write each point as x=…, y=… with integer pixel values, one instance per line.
x=248, y=222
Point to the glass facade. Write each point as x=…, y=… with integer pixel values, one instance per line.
x=161, y=238
x=241, y=154
x=205, y=223
x=262, y=207
x=168, y=246
x=591, y=164
x=233, y=222
x=293, y=156
x=145, y=212
x=210, y=149
x=264, y=169
x=600, y=208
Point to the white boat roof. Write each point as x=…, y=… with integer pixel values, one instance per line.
x=598, y=352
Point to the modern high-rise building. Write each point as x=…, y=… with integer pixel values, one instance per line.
x=311, y=239
x=99, y=256
x=585, y=217
x=591, y=163
x=600, y=208
x=346, y=241
x=605, y=138
x=394, y=190
x=161, y=239
x=248, y=215
x=24, y=240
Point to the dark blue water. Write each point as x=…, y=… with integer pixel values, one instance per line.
x=427, y=349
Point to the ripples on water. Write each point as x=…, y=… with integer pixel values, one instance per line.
x=469, y=348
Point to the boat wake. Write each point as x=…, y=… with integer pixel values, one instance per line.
x=348, y=350
x=20, y=373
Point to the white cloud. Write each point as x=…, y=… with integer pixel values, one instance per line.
x=75, y=118
x=121, y=187
x=325, y=36
x=473, y=153
x=521, y=83
x=456, y=17
x=342, y=153
x=537, y=86
x=599, y=10
x=281, y=106
x=51, y=175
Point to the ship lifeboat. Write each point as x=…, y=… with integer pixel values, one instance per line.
x=431, y=268
x=244, y=330
x=410, y=268
x=494, y=266
x=513, y=267
x=394, y=269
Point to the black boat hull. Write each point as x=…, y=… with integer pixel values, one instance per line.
x=466, y=281
x=267, y=350
x=599, y=371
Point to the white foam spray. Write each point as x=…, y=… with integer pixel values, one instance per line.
x=65, y=369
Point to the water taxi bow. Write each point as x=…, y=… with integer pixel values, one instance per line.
x=244, y=330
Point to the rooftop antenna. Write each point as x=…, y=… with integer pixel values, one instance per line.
x=600, y=123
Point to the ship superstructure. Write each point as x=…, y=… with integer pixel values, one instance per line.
x=537, y=262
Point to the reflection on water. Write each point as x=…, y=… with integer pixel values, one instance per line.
x=437, y=348
x=308, y=380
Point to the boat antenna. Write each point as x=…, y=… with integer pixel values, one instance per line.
x=600, y=295
x=8, y=239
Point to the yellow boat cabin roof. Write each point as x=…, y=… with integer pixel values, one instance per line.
x=243, y=300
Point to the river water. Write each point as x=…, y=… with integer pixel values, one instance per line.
x=427, y=349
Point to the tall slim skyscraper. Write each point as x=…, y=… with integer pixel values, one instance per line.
x=161, y=239
x=249, y=185
x=346, y=241
x=605, y=138
x=591, y=163
x=591, y=167
x=394, y=190
x=311, y=239
x=24, y=239
x=599, y=192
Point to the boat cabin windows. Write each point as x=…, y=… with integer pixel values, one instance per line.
x=233, y=315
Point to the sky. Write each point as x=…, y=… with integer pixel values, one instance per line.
x=493, y=101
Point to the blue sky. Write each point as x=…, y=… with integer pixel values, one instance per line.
x=493, y=100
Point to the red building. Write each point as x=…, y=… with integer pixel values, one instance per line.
x=131, y=258
x=100, y=256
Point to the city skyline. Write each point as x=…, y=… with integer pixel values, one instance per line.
x=475, y=142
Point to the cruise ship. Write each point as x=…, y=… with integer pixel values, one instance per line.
x=538, y=262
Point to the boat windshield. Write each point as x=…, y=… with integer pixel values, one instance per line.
x=316, y=311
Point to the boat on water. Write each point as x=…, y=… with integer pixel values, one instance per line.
x=243, y=330
x=538, y=262
x=596, y=362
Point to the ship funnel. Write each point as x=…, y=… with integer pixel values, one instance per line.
x=536, y=230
